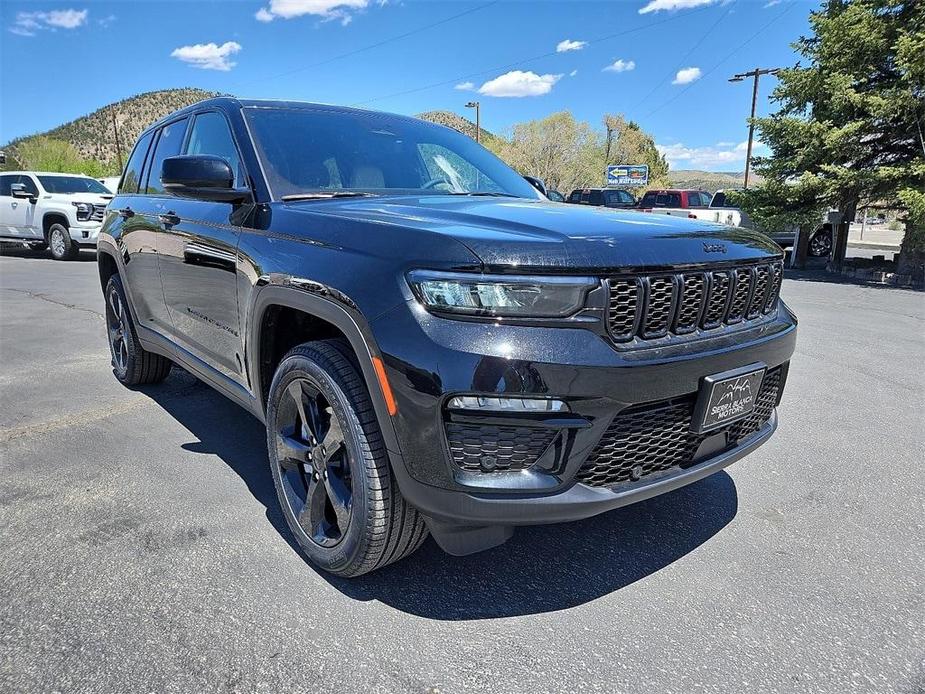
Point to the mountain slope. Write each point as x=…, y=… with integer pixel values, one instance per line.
x=94, y=135
x=457, y=122
x=709, y=180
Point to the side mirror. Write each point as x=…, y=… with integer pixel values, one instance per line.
x=536, y=183
x=202, y=177
x=18, y=190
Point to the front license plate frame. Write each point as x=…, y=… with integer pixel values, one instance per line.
x=727, y=397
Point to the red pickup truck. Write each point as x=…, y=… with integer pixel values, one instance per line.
x=679, y=203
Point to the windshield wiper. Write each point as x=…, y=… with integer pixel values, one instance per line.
x=327, y=196
x=487, y=194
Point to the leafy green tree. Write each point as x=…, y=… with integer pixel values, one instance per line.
x=849, y=130
x=562, y=151
x=46, y=154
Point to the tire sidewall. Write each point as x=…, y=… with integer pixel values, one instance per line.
x=115, y=286
x=353, y=544
x=66, y=239
x=828, y=250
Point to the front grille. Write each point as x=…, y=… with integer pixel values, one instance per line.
x=488, y=448
x=98, y=213
x=649, y=307
x=655, y=438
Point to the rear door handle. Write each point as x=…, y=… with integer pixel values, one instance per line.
x=126, y=212
x=169, y=219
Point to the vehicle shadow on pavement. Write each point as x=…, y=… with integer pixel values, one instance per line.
x=85, y=255
x=541, y=569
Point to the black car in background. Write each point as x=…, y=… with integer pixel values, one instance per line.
x=602, y=197
x=432, y=345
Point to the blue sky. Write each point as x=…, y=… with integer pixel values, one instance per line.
x=663, y=63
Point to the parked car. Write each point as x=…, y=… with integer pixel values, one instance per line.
x=61, y=212
x=678, y=203
x=432, y=345
x=605, y=197
x=820, y=242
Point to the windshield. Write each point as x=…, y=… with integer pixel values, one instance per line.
x=72, y=184
x=343, y=152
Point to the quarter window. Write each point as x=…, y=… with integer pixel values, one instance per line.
x=132, y=176
x=168, y=145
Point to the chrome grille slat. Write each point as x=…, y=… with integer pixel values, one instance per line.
x=649, y=307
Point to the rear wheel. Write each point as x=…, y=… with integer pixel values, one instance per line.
x=61, y=244
x=330, y=466
x=131, y=364
x=820, y=244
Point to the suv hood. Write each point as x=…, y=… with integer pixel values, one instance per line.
x=508, y=233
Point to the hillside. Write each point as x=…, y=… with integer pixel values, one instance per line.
x=708, y=180
x=94, y=136
x=457, y=122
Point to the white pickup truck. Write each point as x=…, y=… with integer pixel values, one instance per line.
x=60, y=212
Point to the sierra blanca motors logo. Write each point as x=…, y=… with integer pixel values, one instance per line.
x=736, y=399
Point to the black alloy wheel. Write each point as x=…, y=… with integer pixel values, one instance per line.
x=314, y=463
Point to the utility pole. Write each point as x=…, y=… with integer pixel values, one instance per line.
x=756, y=74
x=478, y=120
x=115, y=130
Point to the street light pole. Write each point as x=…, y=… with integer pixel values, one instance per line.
x=478, y=120
x=756, y=74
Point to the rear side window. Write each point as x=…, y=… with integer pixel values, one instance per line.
x=648, y=200
x=132, y=175
x=596, y=197
x=668, y=200
x=168, y=145
x=210, y=135
x=5, y=183
x=719, y=200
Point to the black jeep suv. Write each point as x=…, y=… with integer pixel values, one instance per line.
x=432, y=344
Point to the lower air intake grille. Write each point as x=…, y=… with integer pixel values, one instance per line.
x=503, y=447
x=657, y=437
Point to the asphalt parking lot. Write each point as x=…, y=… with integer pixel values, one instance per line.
x=142, y=549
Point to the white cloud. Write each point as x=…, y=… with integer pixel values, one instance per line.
x=658, y=5
x=517, y=83
x=465, y=86
x=29, y=23
x=208, y=56
x=326, y=9
x=687, y=75
x=721, y=156
x=569, y=45
x=621, y=66
x=771, y=3
x=106, y=21
x=573, y=73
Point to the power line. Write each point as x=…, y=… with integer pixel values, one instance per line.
x=728, y=56
x=683, y=59
x=372, y=45
x=523, y=61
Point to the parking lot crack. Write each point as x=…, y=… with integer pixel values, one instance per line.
x=35, y=295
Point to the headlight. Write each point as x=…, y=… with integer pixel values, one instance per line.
x=84, y=210
x=500, y=295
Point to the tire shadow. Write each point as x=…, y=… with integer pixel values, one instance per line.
x=541, y=569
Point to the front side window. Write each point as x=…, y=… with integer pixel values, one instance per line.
x=575, y=196
x=68, y=184
x=132, y=176
x=168, y=145
x=596, y=197
x=210, y=135
x=29, y=184
x=309, y=151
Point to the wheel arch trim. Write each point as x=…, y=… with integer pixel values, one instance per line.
x=342, y=316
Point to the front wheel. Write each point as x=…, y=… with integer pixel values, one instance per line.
x=61, y=244
x=330, y=467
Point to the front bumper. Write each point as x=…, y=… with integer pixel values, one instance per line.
x=431, y=359
x=85, y=233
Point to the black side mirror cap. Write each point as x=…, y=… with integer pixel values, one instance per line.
x=201, y=177
x=536, y=183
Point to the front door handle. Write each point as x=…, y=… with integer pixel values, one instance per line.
x=169, y=219
x=126, y=212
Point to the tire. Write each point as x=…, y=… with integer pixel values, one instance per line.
x=60, y=243
x=131, y=364
x=820, y=243
x=340, y=501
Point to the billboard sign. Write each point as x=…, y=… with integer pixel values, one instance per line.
x=632, y=175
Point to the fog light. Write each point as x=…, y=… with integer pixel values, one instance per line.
x=506, y=404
